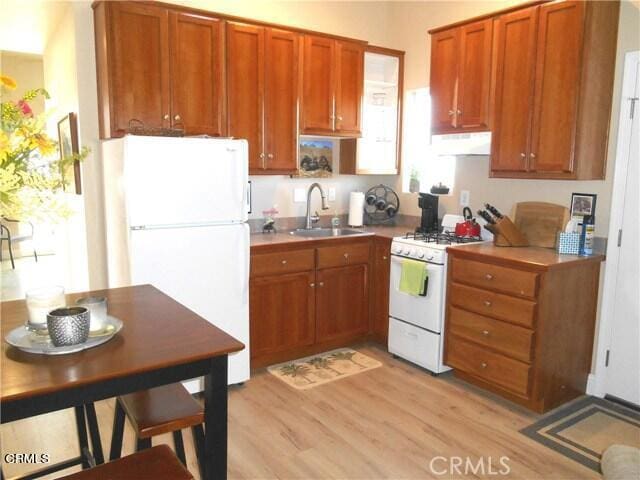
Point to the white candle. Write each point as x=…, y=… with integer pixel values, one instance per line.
x=41, y=301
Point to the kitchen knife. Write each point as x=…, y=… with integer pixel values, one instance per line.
x=493, y=210
x=487, y=217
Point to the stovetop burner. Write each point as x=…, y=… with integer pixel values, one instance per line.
x=439, y=238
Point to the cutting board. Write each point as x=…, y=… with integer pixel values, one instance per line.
x=540, y=222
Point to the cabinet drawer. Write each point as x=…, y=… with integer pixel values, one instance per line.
x=338, y=256
x=493, y=304
x=492, y=367
x=494, y=277
x=282, y=262
x=508, y=339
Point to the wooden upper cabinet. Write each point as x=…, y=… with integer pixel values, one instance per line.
x=515, y=45
x=474, y=75
x=245, y=92
x=461, y=78
x=138, y=77
x=555, y=108
x=444, y=79
x=319, y=78
x=349, y=87
x=282, y=82
x=197, y=52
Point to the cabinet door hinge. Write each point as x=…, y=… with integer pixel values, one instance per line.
x=606, y=359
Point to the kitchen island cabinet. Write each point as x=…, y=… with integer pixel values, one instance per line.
x=520, y=321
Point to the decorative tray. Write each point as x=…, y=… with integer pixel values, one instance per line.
x=31, y=342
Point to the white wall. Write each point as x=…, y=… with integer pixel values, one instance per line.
x=409, y=24
x=27, y=71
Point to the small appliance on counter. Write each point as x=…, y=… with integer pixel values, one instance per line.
x=429, y=219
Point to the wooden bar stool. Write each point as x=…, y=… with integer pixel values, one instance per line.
x=152, y=464
x=168, y=408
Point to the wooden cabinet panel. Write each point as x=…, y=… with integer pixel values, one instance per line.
x=342, y=255
x=486, y=302
x=282, y=72
x=342, y=302
x=503, y=337
x=318, y=85
x=139, y=66
x=474, y=75
x=349, y=87
x=495, y=277
x=515, y=46
x=559, y=54
x=197, y=94
x=510, y=374
x=282, y=262
x=443, y=79
x=380, y=290
x=282, y=312
x=245, y=86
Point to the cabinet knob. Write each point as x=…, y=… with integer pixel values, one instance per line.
x=459, y=112
x=483, y=364
x=284, y=262
x=340, y=117
x=177, y=117
x=166, y=116
x=488, y=276
x=451, y=112
x=487, y=303
x=346, y=256
x=485, y=333
x=532, y=155
x=384, y=257
x=332, y=117
x=321, y=284
x=262, y=155
x=312, y=285
x=523, y=155
x=270, y=155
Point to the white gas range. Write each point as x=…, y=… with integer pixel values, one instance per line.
x=416, y=323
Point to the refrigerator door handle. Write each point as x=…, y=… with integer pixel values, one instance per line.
x=244, y=278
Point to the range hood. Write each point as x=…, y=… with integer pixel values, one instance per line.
x=477, y=143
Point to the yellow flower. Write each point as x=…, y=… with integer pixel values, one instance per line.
x=8, y=82
x=44, y=144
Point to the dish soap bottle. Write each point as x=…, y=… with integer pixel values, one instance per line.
x=335, y=220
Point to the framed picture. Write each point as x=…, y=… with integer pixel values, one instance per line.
x=583, y=204
x=68, y=141
x=315, y=158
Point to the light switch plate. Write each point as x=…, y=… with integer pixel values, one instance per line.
x=332, y=194
x=299, y=195
x=464, y=198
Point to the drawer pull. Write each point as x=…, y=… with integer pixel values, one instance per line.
x=488, y=276
x=484, y=365
x=346, y=256
x=312, y=285
x=487, y=303
x=485, y=333
x=284, y=262
x=321, y=284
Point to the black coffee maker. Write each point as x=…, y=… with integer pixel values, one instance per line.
x=429, y=222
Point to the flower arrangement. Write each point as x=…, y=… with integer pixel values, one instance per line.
x=31, y=182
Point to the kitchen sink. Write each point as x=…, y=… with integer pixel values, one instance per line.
x=325, y=232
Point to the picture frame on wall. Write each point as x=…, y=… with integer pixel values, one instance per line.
x=316, y=158
x=583, y=204
x=69, y=145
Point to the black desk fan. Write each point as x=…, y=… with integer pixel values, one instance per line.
x=381, y=204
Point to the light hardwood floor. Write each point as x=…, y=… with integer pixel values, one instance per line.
x=382, y=424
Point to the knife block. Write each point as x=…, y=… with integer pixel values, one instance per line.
x=506, y=234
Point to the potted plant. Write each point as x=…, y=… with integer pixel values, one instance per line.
x=414, y=180
x=32, y=182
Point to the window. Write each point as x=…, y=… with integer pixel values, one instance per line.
x=419, y=161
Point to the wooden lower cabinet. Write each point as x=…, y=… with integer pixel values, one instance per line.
x=308, y=300
x=342, y=308
x=380, y=289
x=520, y=322
x=284, y=305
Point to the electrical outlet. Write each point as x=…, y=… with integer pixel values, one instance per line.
x=332, y=194
x=464, y=198
x=299, y=195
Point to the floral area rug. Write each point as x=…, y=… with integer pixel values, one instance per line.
x=309, y=372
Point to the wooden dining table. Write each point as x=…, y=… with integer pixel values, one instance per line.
x=161, y=342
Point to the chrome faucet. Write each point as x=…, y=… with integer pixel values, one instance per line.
x=325, y=205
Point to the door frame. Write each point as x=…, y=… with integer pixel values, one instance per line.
x=598, y=382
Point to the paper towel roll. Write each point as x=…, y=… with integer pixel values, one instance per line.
x=356, y=209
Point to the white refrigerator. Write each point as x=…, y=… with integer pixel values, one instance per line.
x=176, y=212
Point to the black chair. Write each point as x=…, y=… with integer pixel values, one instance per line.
x=5, y=235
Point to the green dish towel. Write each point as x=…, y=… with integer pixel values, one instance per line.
x=412, y=276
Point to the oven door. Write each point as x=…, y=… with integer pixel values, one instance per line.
x=424, y=312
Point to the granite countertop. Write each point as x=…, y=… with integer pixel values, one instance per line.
x=536, y=257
